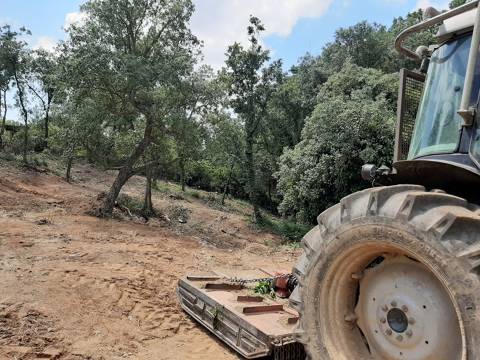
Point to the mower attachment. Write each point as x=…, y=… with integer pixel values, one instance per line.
x=254, y=325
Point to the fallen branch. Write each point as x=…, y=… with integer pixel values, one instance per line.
x=124, y=209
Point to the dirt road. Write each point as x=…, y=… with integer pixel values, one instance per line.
x=77, y=287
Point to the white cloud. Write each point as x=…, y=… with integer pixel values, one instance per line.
x=73, y=18
x=439, y=5
x=45, y=43
x=219, y=23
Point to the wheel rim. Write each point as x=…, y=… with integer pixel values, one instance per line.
x=404, y=312
x=394, y=326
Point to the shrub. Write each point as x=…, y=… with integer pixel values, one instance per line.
x=288, y=229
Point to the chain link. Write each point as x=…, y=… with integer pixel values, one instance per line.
x=292, y=351
x=249, y=281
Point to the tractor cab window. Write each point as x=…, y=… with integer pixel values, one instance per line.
x=438, y=126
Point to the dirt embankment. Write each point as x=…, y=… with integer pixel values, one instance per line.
x=76, y=287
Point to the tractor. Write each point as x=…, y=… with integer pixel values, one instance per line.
x=393, y=272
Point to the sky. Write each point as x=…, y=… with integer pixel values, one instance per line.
x=293, y=27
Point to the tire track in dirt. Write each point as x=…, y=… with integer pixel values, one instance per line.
x=74, y=287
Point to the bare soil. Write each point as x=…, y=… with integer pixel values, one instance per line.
x=73, y=286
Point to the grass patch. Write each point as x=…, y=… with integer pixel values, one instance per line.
x=168, y=187
x=195, y=194
x=288, y=229
x=134, y=206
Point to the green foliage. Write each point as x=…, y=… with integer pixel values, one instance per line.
x=456, y=3
x=37, y=161
x=351, y=125
x=371, y=45
x=251, y=83
x=130, y=204
x=16, y=59
x=288, y=229
x=364, y=44
x=125, y=91
x=265, y=288
x=195, y=194
x=7, y=156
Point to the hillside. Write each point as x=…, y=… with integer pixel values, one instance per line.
x=78, y=287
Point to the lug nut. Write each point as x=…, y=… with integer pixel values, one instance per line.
x=388, y=332
x=384, y=308
x=409, y=333
x=394, y=304
x=404, y=308
x=400, y=338
x=383, y=320
x=411, y=321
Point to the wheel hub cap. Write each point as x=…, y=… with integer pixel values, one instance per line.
x=404, y=312
x=397, y=320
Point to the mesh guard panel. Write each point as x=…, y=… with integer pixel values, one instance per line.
x=410, y=93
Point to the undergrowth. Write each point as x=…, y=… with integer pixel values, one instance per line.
x=288, y=229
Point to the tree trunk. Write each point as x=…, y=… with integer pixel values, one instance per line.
x=4, y=117
x=24, y=113
x=46, y=129
x=69, y=168
x=47, y=119
x=148, y=210
x=25, y=141
x=182, y=174
x=125, y=172
x=225, y=190
x=227, y=184
x=252, y=189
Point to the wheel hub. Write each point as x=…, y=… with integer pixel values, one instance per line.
x=405, y=313
x=397, y=320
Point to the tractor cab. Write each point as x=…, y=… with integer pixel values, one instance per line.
x=438, y=126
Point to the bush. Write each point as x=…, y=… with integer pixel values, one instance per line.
x=352, y=125
x=196, y=194
x=36, y=161
x=135, y=206
x=7, y=156
x=288, y=229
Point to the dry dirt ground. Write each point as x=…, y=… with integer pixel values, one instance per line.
x=76, y=287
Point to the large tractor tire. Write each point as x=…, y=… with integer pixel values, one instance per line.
x=392, y=273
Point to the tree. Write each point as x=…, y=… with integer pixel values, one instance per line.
x=5, y=79
x=159, y=159
x=372, y=45
x=224, y=154
x=17, y=61
x=195, y=96
x=456, y=3
x=3, y=101
x=44, y=69
x=351, y=125
x=364, y=44
x=77, y=126
x=250, y=88
x=122, y=55
x=396, y=61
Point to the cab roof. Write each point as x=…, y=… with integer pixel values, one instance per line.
x=456, y=25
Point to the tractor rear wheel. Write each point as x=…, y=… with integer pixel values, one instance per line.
x=391, y=273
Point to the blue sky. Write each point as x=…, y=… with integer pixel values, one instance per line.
x=294, y=27
x=310, y=35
